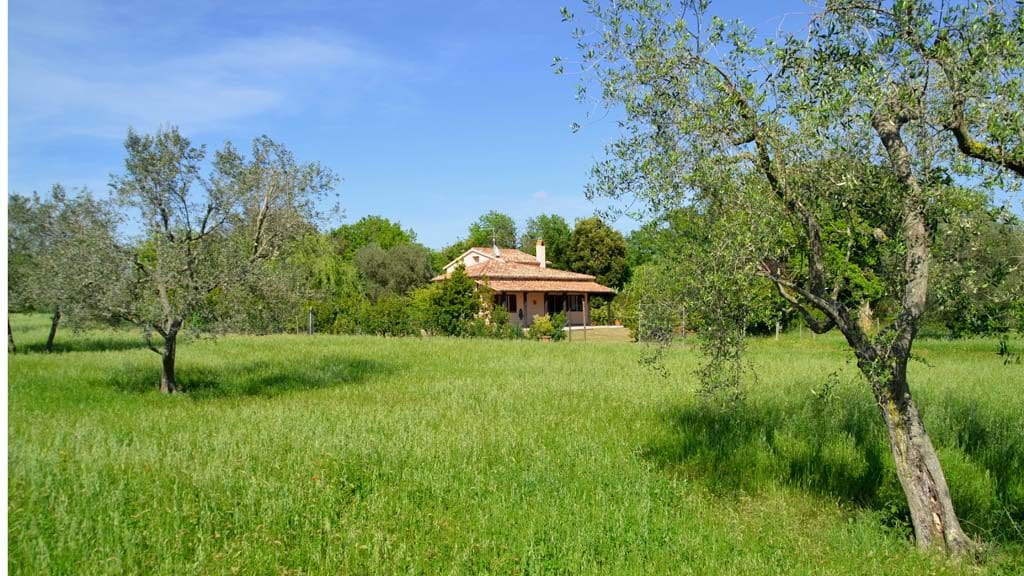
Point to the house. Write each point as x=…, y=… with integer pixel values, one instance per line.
x=525, y=285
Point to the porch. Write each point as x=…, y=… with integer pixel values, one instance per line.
x=524, y=306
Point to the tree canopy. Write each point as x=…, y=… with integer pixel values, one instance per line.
x=396, y=271
x=824, y=161
x=203, y=238
x=378, y=230
x=597, y=249
x=53, y=242
x=493, y=227
x=555, y=232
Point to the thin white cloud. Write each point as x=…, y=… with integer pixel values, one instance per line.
x=239, y=78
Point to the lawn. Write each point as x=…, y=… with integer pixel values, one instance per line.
x=361, y=455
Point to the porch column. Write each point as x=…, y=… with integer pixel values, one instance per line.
x=526, y=312
x=586, y=314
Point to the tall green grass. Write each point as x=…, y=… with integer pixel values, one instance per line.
x=312, y=455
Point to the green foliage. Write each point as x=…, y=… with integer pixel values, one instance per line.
x=493, y=227
x=555, y=232
x=825, y=161
x=558, y=322
x=395, y=271
x=652, y=304
x=53, y=245
x=441, y=258
x=597, y=249
x=602, y=312
x=349, y=238
x=225, y=239
x=25, y=241
x=456, y=304
x=389, y=315
x=495, y=324
x=979, y=276
x=422, y=310
x=541, y=328
x=661, y=237
x=500, y=325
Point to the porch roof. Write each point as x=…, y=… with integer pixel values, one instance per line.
x=499, y=270
x=589, y=287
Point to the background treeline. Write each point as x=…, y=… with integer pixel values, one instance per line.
x=977, y=286
x=234, y=242
x=373, y=277
x=269, y=268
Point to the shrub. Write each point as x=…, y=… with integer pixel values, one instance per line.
x=601, y=313
x=501, y=325
x=456, y=303
x=422, y=309
x=477, y=328
x=542, y=327
x=558, y=325
x=389, y=316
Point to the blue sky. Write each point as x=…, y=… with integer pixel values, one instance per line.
x=433, y=113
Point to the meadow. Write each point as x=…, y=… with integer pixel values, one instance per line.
x=360, y=455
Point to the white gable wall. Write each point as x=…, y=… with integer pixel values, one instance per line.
x=468, y=258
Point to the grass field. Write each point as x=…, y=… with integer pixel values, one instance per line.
x=359, y=455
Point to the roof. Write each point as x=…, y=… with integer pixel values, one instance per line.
x=508, y=255
x=515, y=271
x=547, y=286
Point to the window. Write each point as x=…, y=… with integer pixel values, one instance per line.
x=506, y=301
x=575, y=303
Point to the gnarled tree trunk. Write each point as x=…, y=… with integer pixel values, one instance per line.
x=53, y=329
x=917, y=465
x=168, y=383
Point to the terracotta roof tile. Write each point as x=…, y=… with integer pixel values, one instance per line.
x=496, y=269
x=517, y=271
x=509, y=255
x=547, y=286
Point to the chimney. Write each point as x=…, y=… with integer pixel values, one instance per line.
x=542, y=254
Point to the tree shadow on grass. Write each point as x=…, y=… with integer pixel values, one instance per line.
x=839, y=449
x=88, y=343
x=261, y=378
x=751, y=447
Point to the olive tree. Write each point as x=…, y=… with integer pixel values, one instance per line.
x=203, y=236
x=871, y=102
x=53, y=241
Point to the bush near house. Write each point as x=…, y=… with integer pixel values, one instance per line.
x=541, y=328
x=390, y=315
x=558, y=322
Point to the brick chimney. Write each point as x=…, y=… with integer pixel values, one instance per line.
x=542, y=254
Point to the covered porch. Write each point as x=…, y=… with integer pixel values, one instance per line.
x=524, y=306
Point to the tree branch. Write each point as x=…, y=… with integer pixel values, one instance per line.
x=833, y=315
x=765, y=162
x=817, y=326
x=1011, y=160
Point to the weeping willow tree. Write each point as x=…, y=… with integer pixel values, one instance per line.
x=826, y=160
